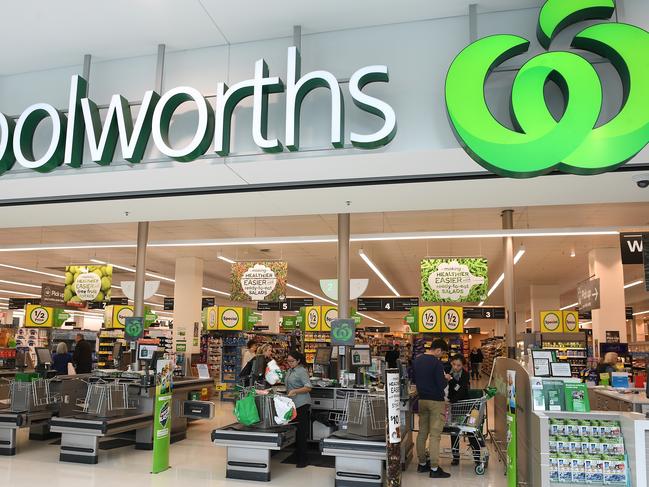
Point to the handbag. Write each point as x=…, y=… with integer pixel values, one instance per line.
x=245, y=410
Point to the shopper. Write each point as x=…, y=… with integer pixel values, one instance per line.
x=431, y=381
x=392, y=357
x=61, y=359
x=608, y=365
x=254, y=371
x=249, y=353
x=476, y=358
x=458, y=390
x=298, y=387
x=82, y=356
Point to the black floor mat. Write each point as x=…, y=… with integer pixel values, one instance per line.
x=314, y=458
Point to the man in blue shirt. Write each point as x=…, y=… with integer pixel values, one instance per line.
x=431, y=381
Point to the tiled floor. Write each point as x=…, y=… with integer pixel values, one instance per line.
x=195, y=461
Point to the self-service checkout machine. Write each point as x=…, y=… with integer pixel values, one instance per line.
x=118, y=402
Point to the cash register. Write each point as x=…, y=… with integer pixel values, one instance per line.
x=44, y=363
x=361, y=359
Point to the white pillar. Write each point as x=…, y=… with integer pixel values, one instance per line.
x=500, y=328
x=606, y=264
x=543, y=298
x=188, y=292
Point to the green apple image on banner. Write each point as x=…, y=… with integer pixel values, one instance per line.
x=577, y=142
x=85, y=283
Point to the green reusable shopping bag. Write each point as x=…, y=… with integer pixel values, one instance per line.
x=245, y=410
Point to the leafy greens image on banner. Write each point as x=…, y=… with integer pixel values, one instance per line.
x=258, y=281
x=85, y=283
x=454, y=279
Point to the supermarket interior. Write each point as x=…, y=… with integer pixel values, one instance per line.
x=274, y=281
x=367, y=244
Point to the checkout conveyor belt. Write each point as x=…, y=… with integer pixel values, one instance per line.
x=80, y=434
x=11, y=422
x=249, y=448
x=359, y=460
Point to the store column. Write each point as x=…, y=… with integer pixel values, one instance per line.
x=188, y=292
x=543, y=298
x=606, y=265
x=271, y=319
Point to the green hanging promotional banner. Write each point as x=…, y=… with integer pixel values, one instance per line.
x=577, y=142
x=162, y=417
x=512, y=438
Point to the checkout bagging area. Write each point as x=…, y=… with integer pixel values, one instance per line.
x=347, y=420
x=108, y=404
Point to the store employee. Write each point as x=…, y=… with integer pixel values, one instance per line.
x=298, y=387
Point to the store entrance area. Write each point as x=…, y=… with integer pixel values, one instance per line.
x=243, y=332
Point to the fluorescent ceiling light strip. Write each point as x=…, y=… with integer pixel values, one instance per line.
x=634, y=283
x=519, y=255
x=467, y=321
x=216, y=291
x=569, y=306
x=376, y=271
x=20, y=293
x=528, y=321
x=589, y=322
x=34, y=271
x=309, y=293
x=641, y=313
x=20, y=284
x=225, y=259
x=540, y=232
x=155, y=276
x=321, y=298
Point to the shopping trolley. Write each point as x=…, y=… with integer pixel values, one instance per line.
x=465, y=419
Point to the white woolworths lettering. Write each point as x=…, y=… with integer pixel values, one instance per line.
x=214, y=126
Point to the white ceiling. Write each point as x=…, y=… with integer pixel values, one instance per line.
x=547, y=260
x=39, y=35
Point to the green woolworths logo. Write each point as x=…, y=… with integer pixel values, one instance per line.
x=540, y=143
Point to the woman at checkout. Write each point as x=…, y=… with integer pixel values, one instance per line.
x=298, y=387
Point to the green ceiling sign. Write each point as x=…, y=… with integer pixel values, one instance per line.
x=574, y=143
x=83, y=123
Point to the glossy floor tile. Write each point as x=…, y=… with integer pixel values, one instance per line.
x=195, y=461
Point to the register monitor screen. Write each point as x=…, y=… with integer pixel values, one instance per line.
x=322, y=356
x=146, y=352
x=361, y=357
x=43, y=356
x=117, y=351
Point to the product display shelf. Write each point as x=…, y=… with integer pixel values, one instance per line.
x=569, y=347
x=107, y=339
x=232, y=345
x=312, y=340
x=596, y=448
x=492, y=348
x=29, y=339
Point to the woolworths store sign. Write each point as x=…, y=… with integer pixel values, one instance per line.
x=212, y=131
x=574, y=142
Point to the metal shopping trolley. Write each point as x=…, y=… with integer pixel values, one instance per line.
x=465, y=419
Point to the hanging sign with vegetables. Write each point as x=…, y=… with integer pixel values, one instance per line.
x=85, y=283
x=454, y=279
x=258, y=281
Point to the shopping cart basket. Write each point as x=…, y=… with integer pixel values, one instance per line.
x=466, y=419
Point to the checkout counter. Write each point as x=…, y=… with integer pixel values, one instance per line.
x=603, y=398
x=119, y=402
x=359, y=457
x=31, y=404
